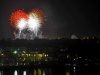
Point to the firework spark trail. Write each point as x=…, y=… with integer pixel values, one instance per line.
x=21, y=25
x=34, y=23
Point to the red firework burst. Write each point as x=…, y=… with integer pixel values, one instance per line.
x=16, y=16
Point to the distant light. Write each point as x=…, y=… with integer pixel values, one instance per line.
x=47, y=55
x=15, y=52
x=17, y=63
x=67, y=56
x=86, y=59
x=24, y=52
x=74, y=59
x=2, y=54
x=34, y=54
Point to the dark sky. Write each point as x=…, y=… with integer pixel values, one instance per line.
x=62, y=17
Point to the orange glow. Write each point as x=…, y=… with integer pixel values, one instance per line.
x=40, y=14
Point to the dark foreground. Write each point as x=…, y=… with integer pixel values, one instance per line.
x=50, y=57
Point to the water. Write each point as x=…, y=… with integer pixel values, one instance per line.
x=24, y=73
x=36, y=71
x=66, y=70
x=15, y=72
x=1, y=73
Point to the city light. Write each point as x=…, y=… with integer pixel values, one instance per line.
x=15, y=52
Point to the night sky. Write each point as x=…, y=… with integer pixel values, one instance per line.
x=62, y=17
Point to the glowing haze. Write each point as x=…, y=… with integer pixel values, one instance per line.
x=28, y=25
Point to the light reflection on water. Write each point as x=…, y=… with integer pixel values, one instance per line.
x=0, y=72
x=24, y=73
x=38, y=71
x=43, y=73
x=35, y=72
x=66, y=70
x=15, y=73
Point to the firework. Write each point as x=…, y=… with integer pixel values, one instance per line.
x=17, y=16
x=40, y=14
x=28, y=25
